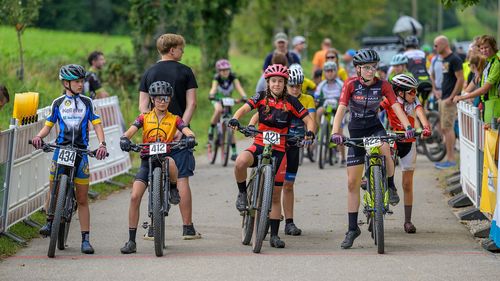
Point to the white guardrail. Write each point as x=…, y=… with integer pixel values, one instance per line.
x=25, y=171
x=471, y=142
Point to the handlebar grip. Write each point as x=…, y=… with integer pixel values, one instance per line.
x=30, y=142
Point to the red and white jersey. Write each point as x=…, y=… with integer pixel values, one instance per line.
x=410, y=110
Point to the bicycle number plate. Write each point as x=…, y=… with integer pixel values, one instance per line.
x=66, y=157
x=227, y=101
x=331, y=104
x=157, y=148
x=271, y=137
x=372, y=142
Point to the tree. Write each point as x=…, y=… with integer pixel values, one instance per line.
x=463, y=3
x=20, y=14
x=217, y=17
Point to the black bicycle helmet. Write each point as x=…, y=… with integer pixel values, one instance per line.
x=411, y=41
x=160, y=88
x=365, y=56
x=72, y=72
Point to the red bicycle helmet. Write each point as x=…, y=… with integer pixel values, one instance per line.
x=276, y=70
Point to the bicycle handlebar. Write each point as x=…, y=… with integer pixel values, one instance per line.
x=391, y=136
x=50, y=147
x=174, y=145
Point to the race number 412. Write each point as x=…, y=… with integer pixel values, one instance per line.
x=271, y=137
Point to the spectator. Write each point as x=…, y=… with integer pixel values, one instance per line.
x=453, y=80
x=348, y=65
x=490, y=80
x=333, y=55
x=278, y=58
x=477, y=63
x=299, y=45
x=93, y=86
x=4, y=95
x=319, y=56
x=169, y=69
x=436, y=72
x=281, y=45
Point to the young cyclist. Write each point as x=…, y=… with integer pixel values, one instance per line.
x=276, y=109
x=398, y=66
x=73, y=112
x=223, y=84
x=328, y=91
x=405, y=87
x=363, y=94
x=157, y=125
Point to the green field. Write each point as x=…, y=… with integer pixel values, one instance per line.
x=47, y=50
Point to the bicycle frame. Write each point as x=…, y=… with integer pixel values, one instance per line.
x=374, y=158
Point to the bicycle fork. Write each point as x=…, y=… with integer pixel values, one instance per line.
x=369, y=195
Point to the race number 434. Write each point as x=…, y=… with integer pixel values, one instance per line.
x=271, y=137
x=66, y=157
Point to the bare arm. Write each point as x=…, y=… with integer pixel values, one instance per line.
x=131, y=132
x=190, y=105
x=242, y=111
x=99, y=131
x=310, y=124
x=44, y=131
x=213, y=89
x=337, y=121
x=458, y=85
x=188, y=132
x=254, y=119
x=421, y=116
x=143, y=102
x=240, y=90
x=400, y=114
x=478, y=92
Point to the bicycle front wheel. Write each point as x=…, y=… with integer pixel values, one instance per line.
x=378, y=223
x=228, y=139
x=264, y=200
x=158, y=217
x=247, y=224
x=323, y=144
x=56, y=222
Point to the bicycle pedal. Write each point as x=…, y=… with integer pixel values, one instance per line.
x=145, y=225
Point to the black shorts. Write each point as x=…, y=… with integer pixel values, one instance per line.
x=292, y=162
x=279, y=173
x=143, y=173
x=356, y=155
x=184, y=159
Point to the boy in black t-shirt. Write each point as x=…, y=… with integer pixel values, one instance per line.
x=183, y=103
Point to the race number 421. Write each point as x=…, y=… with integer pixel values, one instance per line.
x=271, y=137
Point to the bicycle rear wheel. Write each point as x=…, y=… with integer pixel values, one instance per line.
x=378, y=218
x=158, y=217
x=214, y=144
x=56, y=222
x=322, y=145
x=301, y=155
x=434, y=146
x=264, y=200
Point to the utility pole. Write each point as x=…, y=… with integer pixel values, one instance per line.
x=440, y=17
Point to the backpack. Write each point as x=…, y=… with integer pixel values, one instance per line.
x=418, y=68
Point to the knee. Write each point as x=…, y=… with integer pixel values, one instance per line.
x=353, y=185
x=82, y=201
x=240, y=164
x=135, y=199
x=288, y=186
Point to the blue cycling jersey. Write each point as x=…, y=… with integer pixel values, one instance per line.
x=73, y=115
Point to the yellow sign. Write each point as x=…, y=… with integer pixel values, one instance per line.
x=25, y=107
x=490, y=173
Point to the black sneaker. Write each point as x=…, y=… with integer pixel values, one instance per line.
x=149, y=235
x=393, y=196
x=276, y=242
x=241, y=201
x=292, y=229
x=174, y=197
x=349, y=238
x=129, y=248
x=189, y=233
x=234, y=156
x=45, y=230
x=87, y=248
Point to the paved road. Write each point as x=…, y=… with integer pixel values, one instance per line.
x=442, y=248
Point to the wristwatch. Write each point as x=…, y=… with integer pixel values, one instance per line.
x=102, y=143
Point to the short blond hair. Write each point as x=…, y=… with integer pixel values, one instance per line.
x=490, y=40
x=168, y=41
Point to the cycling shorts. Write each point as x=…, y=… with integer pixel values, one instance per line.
x=82, y=173
x=143, y=173
x=279, y=174
x=407, y=153
x=355, y=154
x=291, y=163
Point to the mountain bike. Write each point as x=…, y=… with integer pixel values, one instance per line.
x=433, y=147
x=327, y=152
x=159, y=186
x=255, y=222
x=223, y=138
x=376, y=195
x=63, y=203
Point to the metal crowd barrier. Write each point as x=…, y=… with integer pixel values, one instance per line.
x=471, y=143
x=25, y=171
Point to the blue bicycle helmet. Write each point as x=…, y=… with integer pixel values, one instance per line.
x=72, y=72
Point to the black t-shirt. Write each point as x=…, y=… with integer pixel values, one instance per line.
x=451, y=64
x=180, y=76
x=92, y=84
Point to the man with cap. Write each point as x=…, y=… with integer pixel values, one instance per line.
x=281, y=46
x=298, y=44
x=320, y=56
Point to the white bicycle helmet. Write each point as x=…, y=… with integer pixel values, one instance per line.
x=296, y=74
x=403, y=82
